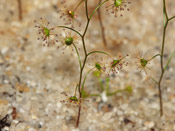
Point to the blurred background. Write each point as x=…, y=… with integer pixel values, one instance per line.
x=32, y=77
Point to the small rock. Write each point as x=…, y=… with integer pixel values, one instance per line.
x=149, y=124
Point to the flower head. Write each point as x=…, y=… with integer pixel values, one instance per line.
x=142, y=62
x=67, y=14
x=117, y=6
x=72, y=101
x=117, y=64
x=46, y=33
x=67, y=39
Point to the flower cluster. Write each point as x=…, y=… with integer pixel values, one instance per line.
x=116, y=6
x=49, y=36
x=111, y=67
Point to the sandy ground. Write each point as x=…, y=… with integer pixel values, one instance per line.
x=32, y=77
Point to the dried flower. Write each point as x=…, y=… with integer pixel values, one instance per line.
x=46, y=33
x=117, y=6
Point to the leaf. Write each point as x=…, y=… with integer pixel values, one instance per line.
x=169, y=61
x=84, y=94
x=129, y=89
x=97, y=73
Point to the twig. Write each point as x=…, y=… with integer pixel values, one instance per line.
x=166, y=21
x=102, y=27
x=20, y=10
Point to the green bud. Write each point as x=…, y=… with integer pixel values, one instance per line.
x=98, y=66
x=97, y=73
x=73, y=98
x=47, y=32
x=69, y=41
x=115, y=62
x=117, y=3
x=143, y=62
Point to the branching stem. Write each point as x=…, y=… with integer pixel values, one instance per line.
x=85, y=54
x=166, y=21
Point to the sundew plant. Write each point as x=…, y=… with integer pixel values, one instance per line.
x=49, y=37
x=143, y=62
x=67, y=38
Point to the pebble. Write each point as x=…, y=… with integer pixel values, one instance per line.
x=149, y=124
x=120, y=118
x=6, y=128
x=15, y=121
x=119, y=112
x=104, y=97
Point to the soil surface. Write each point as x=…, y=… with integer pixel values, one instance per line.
x=33, y=77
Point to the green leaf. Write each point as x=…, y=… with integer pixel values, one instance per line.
x=84, y=94
x=107, y=85
x=129, y=89
x=169, y=61
x=97, y=73
x=101, y=84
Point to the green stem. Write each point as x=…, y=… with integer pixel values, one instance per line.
x=86, y=8
x=162, y=54
x=75, y=90
x=97, y=8
x=154, y=79
x=79, y=59
x=113, y=93
x=100, y=52
x=107, y=86
x=154, y=56
x=86, y=77
x=102, y=26
x=94, y=95
x=84, y=62
x=169, y=60
x=164, y=9
x=101, y=84
x=86, y=55
x=70, y=29
x=171, y=18
x=78, y=5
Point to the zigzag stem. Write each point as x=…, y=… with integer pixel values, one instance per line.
x=166, y=22
x=85, y=52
